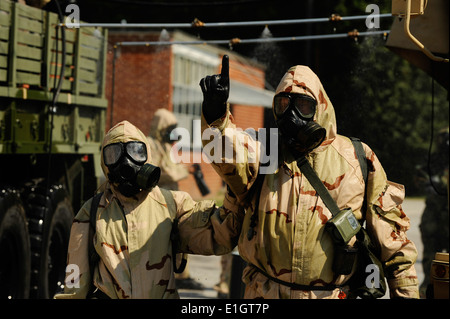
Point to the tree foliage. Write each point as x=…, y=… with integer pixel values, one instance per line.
x=391, y=103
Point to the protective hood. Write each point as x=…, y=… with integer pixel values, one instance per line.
x=161, y=120
x=300, y=79
x=121, y=133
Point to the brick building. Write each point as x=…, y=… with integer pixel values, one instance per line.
x=147, y=78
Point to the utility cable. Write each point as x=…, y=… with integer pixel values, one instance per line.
x=56, y=87
x=200, y=24
x=235, y=41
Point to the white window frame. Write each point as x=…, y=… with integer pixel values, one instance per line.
x=190, y=65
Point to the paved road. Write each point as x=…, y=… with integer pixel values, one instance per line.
x=206, y=269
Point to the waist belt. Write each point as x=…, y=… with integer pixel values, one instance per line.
x=295, y=286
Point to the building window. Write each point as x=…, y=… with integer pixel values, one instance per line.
x=190, y=66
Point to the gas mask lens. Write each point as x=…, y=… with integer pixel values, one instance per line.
x=303, y=104
x=281, y=103
x=112, y=153
x=137, y=151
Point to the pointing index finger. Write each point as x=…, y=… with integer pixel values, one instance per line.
x=224, y=74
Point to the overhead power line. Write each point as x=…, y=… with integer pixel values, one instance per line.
x=235, y=41
x=199, y=24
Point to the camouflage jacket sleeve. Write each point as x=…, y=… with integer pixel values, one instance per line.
x=78, y=277
x=234, y=153
x=205, y=228
x=387, y=225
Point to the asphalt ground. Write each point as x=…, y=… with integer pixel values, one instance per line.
x=206, y=269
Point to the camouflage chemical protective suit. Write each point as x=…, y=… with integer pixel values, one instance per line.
x=160, y=149
x=290, y=243
x=133, y=236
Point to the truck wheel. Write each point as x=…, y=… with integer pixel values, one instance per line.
x=58, y=240
x=50, y=217
x=14, y=248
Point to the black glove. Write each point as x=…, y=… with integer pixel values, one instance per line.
x=216, y=89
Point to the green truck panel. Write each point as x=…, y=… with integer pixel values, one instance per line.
x=31, y=53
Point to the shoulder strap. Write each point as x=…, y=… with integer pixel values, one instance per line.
x=361, y=154
x=93, y=211
x=170, y=201
x=92, y=253
x=312, y=177
x=174, y=234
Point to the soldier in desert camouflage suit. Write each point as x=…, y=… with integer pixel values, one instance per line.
x=289, y=242
x=133, y=235
x=434, y=224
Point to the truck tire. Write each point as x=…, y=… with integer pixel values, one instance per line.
x=50, y=219
x=14, y=248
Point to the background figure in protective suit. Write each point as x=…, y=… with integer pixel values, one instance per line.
x=434, y=223
x=283, y=238
x=163, y=123
x=133, y=225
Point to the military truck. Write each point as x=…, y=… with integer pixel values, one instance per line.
x=52, y=120
x=421, y=36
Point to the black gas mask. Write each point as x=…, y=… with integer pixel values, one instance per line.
x=127, y=167
x=294, y=115
x=165, y=135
